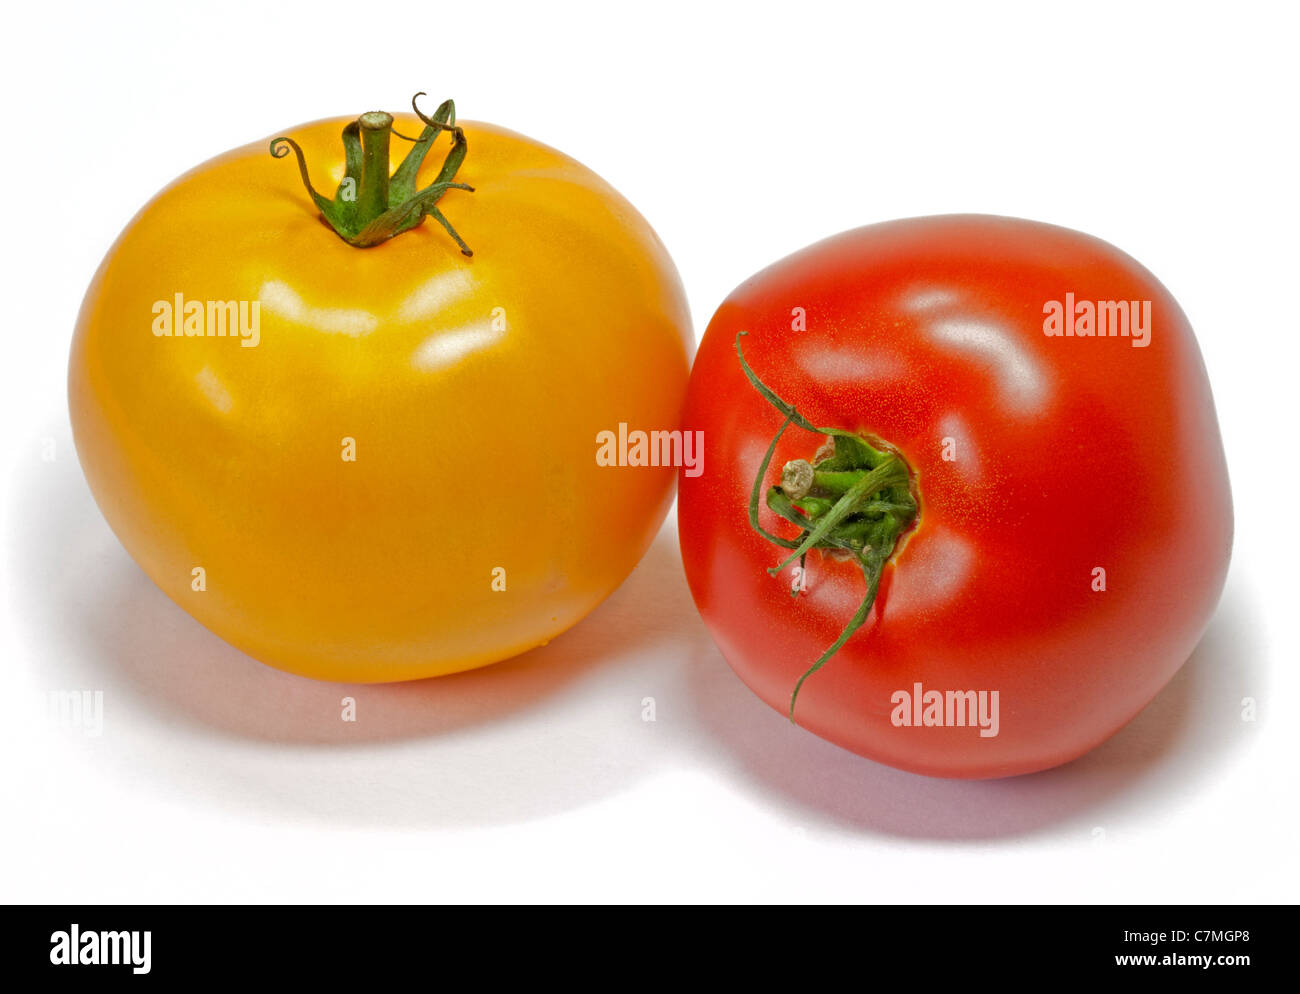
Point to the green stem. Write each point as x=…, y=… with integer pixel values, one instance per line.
x=370, y=207
x=835, y=482
x=868, y=485
x=872, y=577
x=852, y=497
x=372, y=192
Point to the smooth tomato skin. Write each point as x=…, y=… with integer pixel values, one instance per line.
x=1070, y=454
x=474, y=390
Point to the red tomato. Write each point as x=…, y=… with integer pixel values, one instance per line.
x=1074, y=521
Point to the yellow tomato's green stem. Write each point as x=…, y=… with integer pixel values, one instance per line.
x=372, y=193
x=371, y=207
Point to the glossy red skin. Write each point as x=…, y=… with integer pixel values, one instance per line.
x=1072, y=453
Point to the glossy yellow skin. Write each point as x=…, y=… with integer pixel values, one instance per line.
x=475, y=428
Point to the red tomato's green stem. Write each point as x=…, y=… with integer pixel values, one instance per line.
x=872, y=576
x=370, y=206
x=855, y=498
x=868, y=484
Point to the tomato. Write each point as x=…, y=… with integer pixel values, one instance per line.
x=398, y=478
x=1050, y=519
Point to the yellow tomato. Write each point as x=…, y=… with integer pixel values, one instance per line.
x=396, y=476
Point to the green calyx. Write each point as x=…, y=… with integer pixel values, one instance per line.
x=852, y=500
x=370, y=206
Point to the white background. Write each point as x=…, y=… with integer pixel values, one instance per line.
x=742, y=133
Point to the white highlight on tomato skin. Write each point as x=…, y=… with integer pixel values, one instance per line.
x=749, y=456
x=284, y=302
x=214, y=390
x=826, y=581
x=830, y=367
x=1023, y=386
x=930, y=573
x=435, y=295
x=967, y=462
x=445, y=348
x=930, y=298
